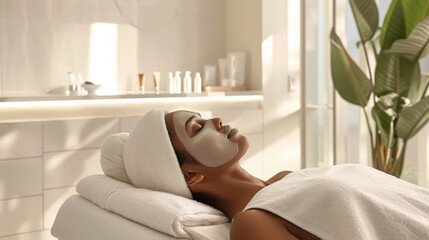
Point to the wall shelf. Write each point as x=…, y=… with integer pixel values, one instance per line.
x=121, y=95
x=46, y=108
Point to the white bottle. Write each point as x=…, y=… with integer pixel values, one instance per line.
x=171, y=83
x=197, y=83
x=178, y=82
x=187, y=82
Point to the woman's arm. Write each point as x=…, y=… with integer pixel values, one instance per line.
x=255, y=224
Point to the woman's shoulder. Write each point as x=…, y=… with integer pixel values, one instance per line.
x=278, y=177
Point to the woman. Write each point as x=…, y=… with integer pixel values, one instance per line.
x=220, y=181
x=347, y=201
x=209, y=154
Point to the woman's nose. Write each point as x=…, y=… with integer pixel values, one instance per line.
x=217, y=122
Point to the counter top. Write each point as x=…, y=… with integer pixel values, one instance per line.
x=116, y=95
x=47, y=108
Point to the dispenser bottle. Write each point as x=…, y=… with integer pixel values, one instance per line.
x=197, y=83
x=178, y=82
x=171, y=83
x=187, y=82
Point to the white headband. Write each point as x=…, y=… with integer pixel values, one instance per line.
x=149, y=157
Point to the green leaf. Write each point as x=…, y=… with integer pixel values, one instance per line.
x=415, y=46
x=395, y=74
x=366, y=17
x=414, y=12
x=394, y=25
x=382, y=120
x=412, y=119
x=400, y=163
x=385, y=111
x=417, y=89
x=349, y=80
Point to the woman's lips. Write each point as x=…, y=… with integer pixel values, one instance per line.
x=232, y=133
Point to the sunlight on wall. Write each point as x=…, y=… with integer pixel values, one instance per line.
x=267, y=51
x=8, y=140
x=293, y=33
x=423, y=157
x=103, y=53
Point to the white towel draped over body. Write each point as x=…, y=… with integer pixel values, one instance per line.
x=348, y=201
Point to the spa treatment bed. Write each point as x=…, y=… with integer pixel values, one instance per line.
x=108, y=206
x=79, y=218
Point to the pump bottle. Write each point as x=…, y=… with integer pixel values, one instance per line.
x=171, y=83
x=197, y=83
x=178, y=82
x=187, y=82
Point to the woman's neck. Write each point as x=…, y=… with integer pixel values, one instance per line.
x=229, y=192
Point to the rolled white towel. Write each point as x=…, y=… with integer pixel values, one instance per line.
x=149, y=157
x=111, y=160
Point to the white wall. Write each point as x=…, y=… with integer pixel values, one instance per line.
x=281, y=109
x=243, y=33
x=42, y=40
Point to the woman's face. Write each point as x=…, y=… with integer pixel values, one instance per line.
x=207, y=141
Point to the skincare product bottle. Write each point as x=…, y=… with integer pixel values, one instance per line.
x=236, y=66
x=73, y=81
x=171, y=83
x=197, y=83
x=223, y=71
x=187, y=82
x=178, y=82
x=80, y=82
x=209, y=75
x=156, y=76
x=142, y=80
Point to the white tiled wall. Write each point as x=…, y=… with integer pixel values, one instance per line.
x=25, y=176
x=77, y=134
x=20, y=215
x=41, y=162
x=66, y=168
x=18, y=137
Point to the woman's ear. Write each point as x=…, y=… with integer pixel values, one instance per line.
x=192, y=178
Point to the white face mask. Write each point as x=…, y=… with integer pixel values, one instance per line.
x=209, y=146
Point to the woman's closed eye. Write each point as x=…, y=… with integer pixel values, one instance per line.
x=194, y=125
x=195, y=128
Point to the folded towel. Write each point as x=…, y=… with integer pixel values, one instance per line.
x=97, y=188
x=162, y=211
x=149, y=157
x=111, y=157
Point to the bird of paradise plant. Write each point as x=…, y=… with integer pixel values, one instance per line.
x=394, y=89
